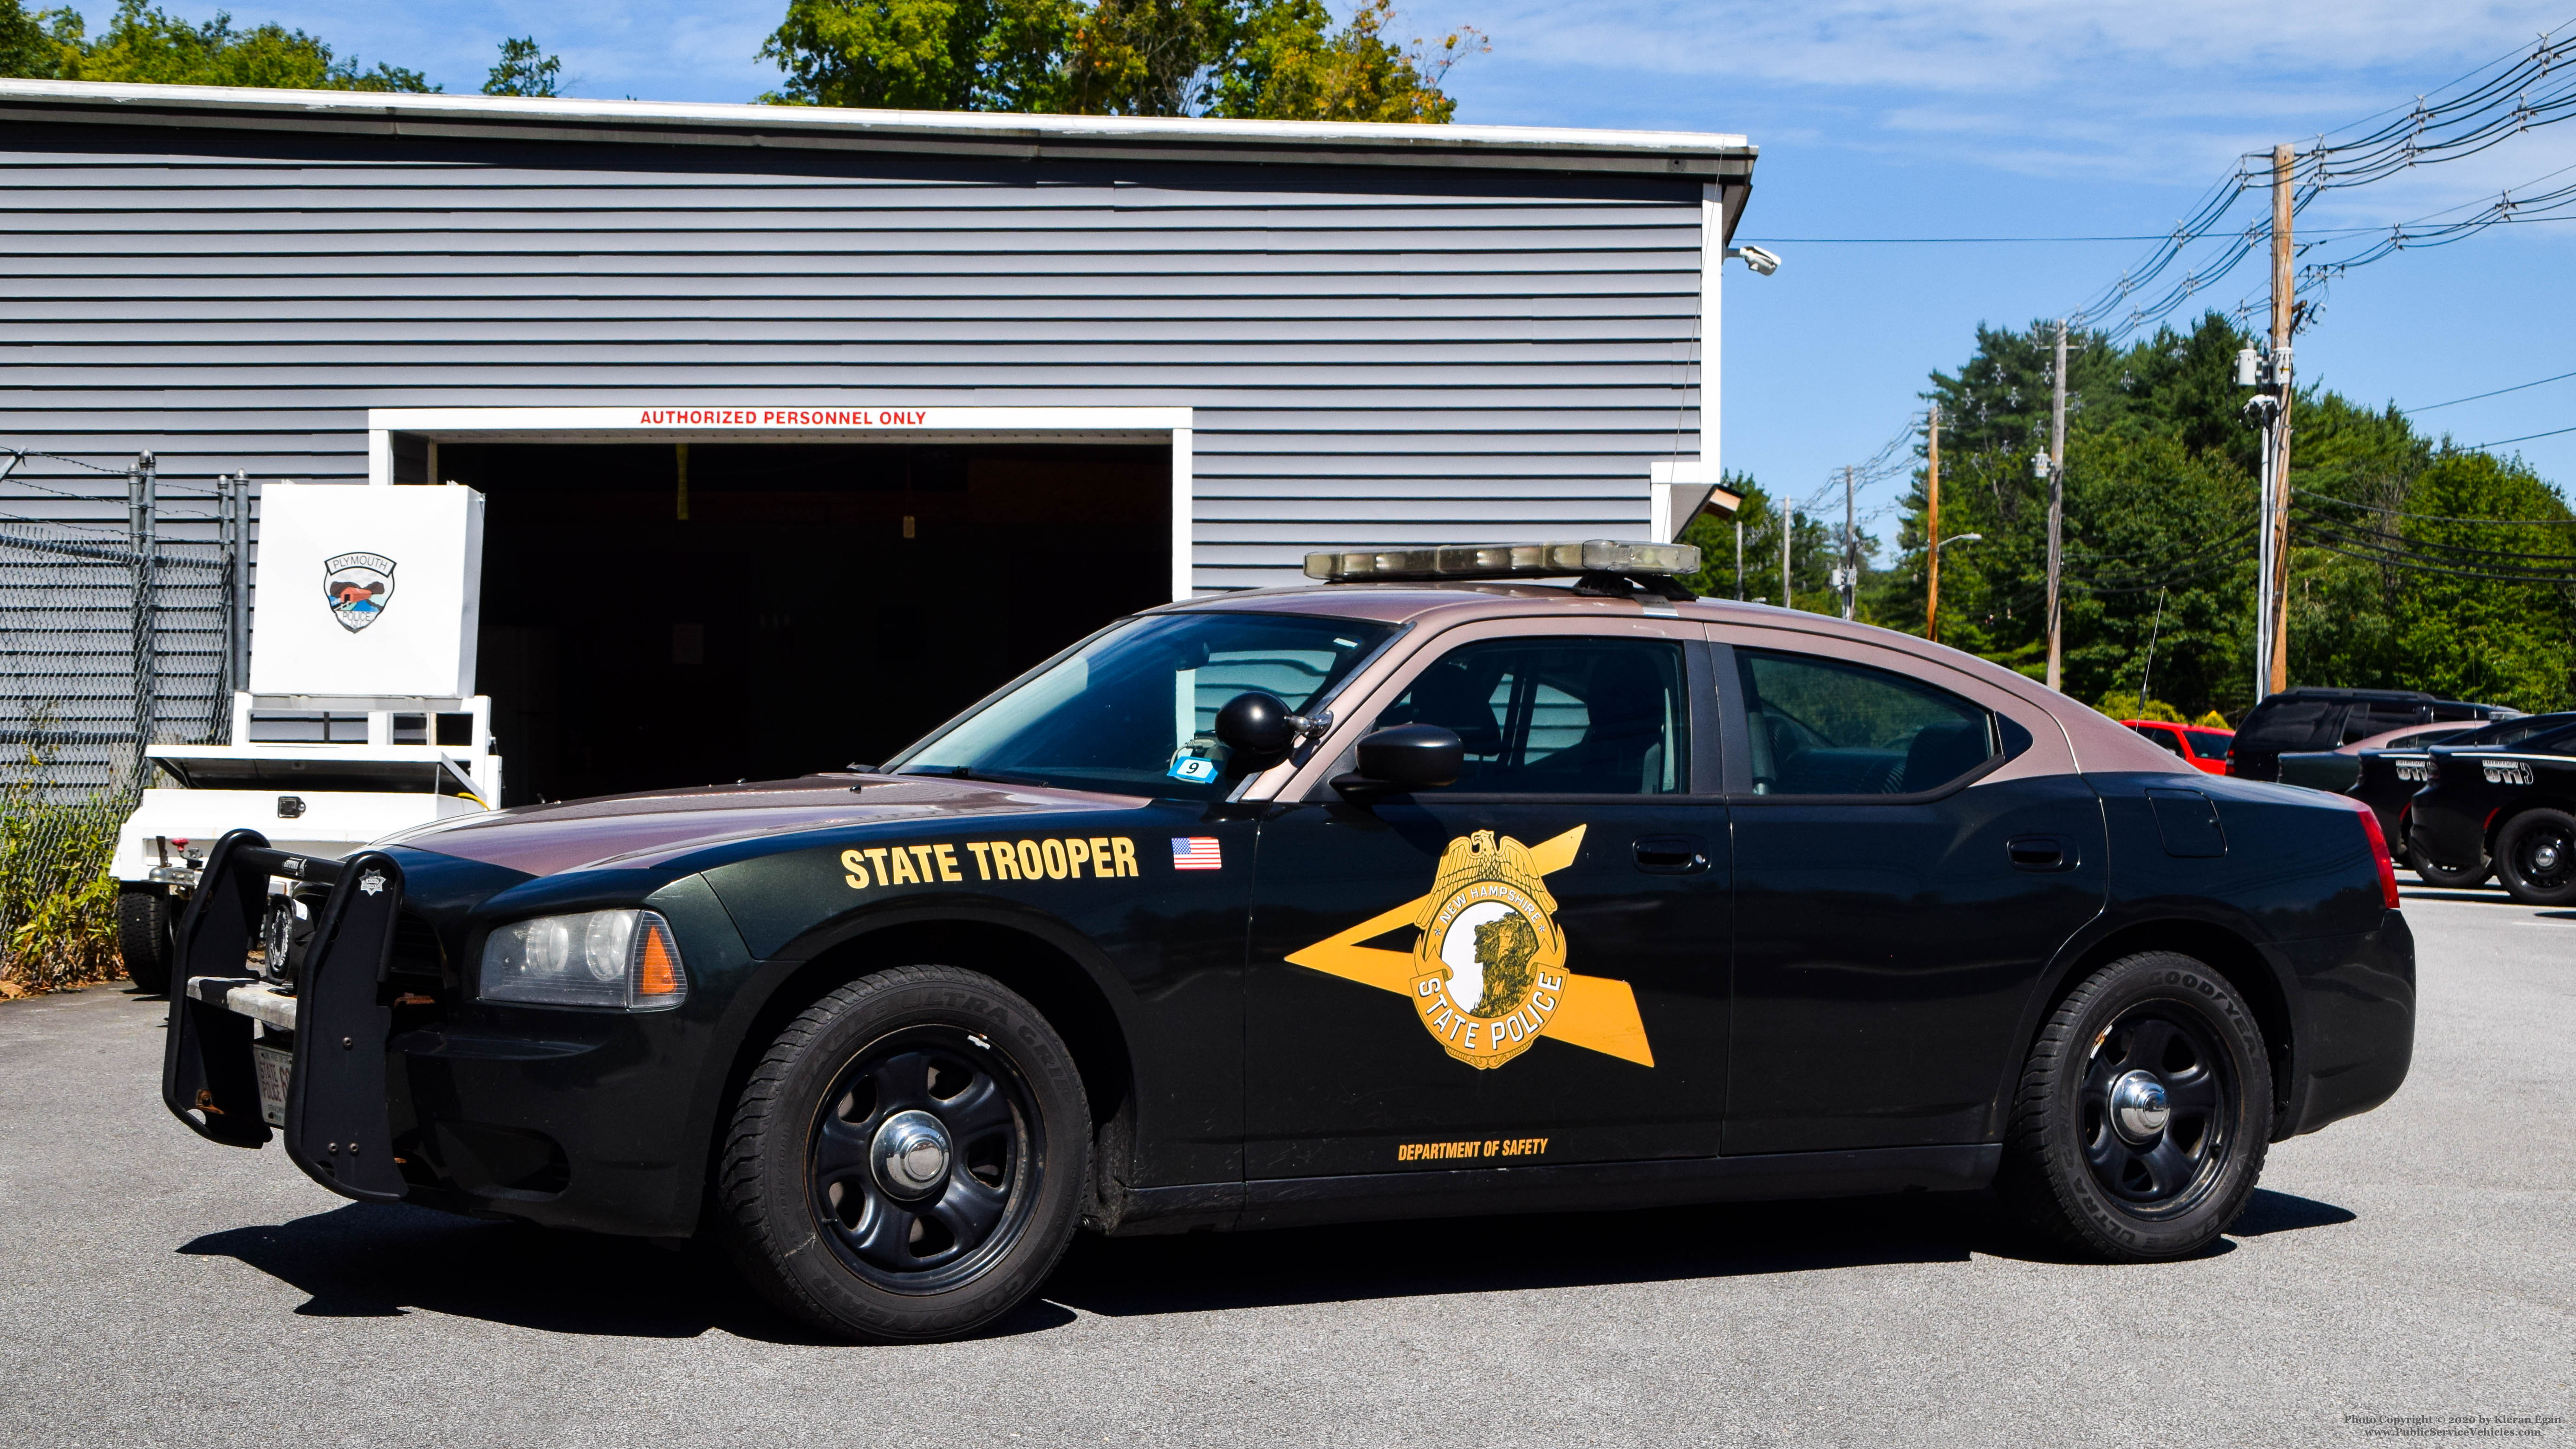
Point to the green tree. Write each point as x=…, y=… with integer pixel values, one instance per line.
x=524, y=70
x=28, y=47
x=147, y=44
x=1812, y=552
x=1265, y=59
x=2160, y=546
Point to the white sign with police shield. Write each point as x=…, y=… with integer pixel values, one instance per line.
x=367, y=592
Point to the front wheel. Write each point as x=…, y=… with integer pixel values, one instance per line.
x=909, y=1159
x=2144, y=1110
x=2535, y=854
x=143, y=937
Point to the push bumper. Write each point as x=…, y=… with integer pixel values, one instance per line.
x=337, y=1126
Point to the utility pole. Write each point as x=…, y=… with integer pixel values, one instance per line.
x=2275, y=663
x=1739, y=558
x=1851, y=549
x=2056, y=503
x=1788, y=527
x=1932, y=529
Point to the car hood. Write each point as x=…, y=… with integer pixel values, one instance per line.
x=654, y=827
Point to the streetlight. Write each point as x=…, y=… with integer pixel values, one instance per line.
x=1957, y=538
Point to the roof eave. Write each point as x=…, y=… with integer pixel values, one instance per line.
x=1710, y=156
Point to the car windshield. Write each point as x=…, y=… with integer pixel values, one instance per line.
x=1132, y=710
x=2209, y=744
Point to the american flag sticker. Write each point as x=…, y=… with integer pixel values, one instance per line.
x=1197, y=852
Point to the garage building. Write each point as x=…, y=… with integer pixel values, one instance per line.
x=802, y=428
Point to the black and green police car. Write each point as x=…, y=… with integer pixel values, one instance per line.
x=1468, y=880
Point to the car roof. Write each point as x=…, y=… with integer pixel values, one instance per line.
x=1442, y=605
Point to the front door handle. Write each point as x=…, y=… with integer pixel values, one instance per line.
x=2037, y=852
x=1671, y=854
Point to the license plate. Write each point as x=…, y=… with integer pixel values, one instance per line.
x=274, y=1067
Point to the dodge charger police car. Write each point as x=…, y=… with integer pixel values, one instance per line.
x=1431, y=889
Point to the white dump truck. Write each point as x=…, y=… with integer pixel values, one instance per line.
x=368, y=602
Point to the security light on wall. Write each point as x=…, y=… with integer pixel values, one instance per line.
x=1762, y=260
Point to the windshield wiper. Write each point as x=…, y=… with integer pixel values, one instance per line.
x=961, y=772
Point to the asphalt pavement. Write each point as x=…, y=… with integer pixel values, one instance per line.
x=2409, y=1270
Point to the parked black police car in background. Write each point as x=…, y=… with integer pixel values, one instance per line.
x=2323, y=719
x=1433, y=890
x=2388, y=778
x=2505, y=802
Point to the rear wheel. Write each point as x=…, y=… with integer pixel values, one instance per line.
x=2535, y=854
x=2140, y=1127
x=909, y=1159
x=2449, y=877
x=143, y=936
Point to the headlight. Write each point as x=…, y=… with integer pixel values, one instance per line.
x=598, y=958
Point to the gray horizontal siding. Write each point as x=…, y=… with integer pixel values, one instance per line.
x=1374, y=355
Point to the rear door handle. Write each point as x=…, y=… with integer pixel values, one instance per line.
x=2037, y=852
x=1671, y=854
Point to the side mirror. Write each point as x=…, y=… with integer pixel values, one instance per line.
x=1404, y=759
x=1258, y=728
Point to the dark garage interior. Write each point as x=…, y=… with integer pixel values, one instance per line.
x=793, y=607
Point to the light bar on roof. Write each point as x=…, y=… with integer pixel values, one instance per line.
x=1502, y=561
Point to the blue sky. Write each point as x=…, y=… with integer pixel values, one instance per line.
x=1883, y=118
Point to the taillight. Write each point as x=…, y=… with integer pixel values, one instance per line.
x=2379, y=854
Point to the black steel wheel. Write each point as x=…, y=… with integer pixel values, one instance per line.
x=144, y=926
x=2535, y=855
x=909, y=1159
x=2144, y=1111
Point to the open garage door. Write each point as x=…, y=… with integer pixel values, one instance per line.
x=655, y=617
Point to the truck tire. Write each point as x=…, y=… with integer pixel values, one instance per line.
x=2535, y=856
x=143, y=936
x=909, y=1158
x=2139, y=1129
x=2449, y=877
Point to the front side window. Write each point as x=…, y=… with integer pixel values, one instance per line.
x=2210, y=744
x=1824, y=727
x=1132, y=710
x=1557, y=716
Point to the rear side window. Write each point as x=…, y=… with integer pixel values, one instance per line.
x=2296, y=724
x=2379, y=720
x=2161, y=739
x=2209, y=744
x=1824, y=727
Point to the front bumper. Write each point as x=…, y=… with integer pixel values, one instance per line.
x=403, y=1088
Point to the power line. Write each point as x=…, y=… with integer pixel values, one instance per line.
x=2435, y=517
x=2525, y=438
x=2499, y=392
x=2518, y=92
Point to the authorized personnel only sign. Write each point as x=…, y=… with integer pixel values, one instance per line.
x=783, y=418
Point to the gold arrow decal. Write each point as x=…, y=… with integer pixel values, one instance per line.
x=1597, y=1013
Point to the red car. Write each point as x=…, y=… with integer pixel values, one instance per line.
x=2206, y=749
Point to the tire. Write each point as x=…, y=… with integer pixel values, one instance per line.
x=2535, y=855
x=2128, y=1187
x=861, y=1195
x=2449, y=877
x=143, y=937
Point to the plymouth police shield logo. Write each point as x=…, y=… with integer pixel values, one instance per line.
x=356, y=585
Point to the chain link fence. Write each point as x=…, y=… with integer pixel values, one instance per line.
x=109, y=640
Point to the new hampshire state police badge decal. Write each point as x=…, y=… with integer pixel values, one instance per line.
x=1487, y=973
x=1490, y=963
